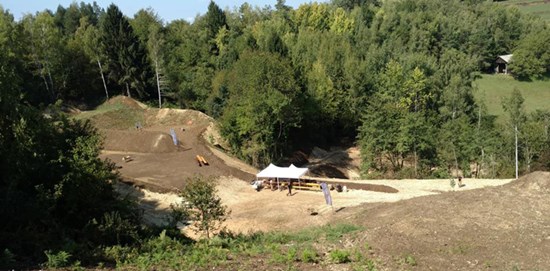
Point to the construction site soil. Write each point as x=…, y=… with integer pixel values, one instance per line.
x=483, y=225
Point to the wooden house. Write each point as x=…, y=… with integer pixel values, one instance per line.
x=502, y=64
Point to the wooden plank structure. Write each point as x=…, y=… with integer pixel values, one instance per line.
x=201, y=160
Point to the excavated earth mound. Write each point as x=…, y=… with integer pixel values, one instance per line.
x=493, y=228
x=127, y=102
x=536, y=182
x=138, y=141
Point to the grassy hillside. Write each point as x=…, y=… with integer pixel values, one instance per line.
x=536, y=7
x=492, y=88
x=119, y=113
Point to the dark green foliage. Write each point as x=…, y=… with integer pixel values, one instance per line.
x=55, y=191
x=126, y=57
x=215, y=19
x=350, y=4
x=257, y=119
x=57, y=260
x=531, y=58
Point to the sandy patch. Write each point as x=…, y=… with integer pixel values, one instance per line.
x=273, y=210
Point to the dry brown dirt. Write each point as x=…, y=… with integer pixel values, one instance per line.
x=485, y=225
x=492, y=228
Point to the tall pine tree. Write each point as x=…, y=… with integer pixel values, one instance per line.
x=126, y=57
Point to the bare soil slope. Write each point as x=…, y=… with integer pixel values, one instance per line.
x=156, y=163
x=494, y=228
x=138, y=141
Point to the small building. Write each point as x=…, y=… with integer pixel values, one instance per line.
x=502, y=64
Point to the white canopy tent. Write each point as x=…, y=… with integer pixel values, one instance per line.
x=273, y=171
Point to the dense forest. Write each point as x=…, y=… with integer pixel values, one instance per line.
x=393, y=77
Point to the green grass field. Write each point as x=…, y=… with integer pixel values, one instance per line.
x=537, y=7
x=492, y=88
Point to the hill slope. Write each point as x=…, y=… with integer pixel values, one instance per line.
x=496, y=228
x=493, y=88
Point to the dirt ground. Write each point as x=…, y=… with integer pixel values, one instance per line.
x=486, y=224
x=494, y=228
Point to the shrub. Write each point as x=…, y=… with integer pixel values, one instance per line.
x=309, y=256
x=57, y=260
x=440, y=173
x=340, y=256
x=202, y=206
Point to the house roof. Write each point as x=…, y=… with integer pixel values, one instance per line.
x=506, y=58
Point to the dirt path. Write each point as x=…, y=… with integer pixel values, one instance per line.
x=163, y=169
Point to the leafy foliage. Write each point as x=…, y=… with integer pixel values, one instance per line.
x=54, y=186
x=258, y=120
x=531, y=58
x=202, y=207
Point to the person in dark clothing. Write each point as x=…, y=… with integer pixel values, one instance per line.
x=289, y=188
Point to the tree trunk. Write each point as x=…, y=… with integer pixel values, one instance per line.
x=456, y=160
x=528, y=157
x=158, y=81
x=51, y=82
x=103, y=78
x=415, y=163
x=46, y=84
x=479, y=165
x=128, y=91
x=516, y=136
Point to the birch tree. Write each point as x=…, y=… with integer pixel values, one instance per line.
x=155, y=46
x=90, y=38
x=45, y=42
x=514, y=107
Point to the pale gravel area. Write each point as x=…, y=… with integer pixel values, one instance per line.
x=273, y=210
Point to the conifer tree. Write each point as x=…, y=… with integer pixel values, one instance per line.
x=126, y=58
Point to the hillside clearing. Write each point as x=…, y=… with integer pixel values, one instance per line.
x=536, y=7
x=493, y=88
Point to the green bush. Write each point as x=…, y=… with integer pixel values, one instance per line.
x=57, y=260
x=291, y=254
x=309, y=256
x=118, y=254
x=440, y=173
x=340, y=256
